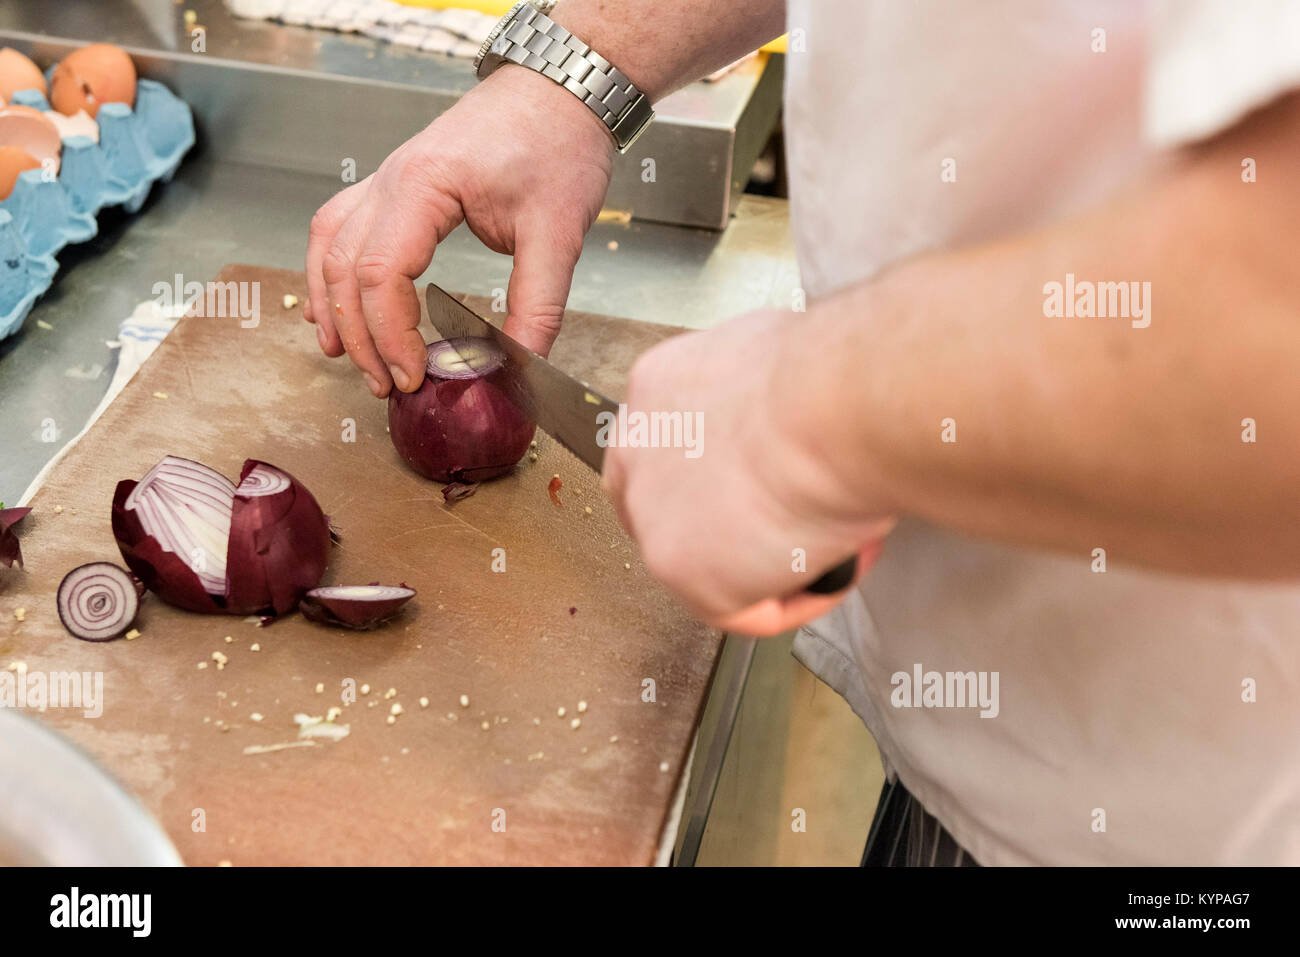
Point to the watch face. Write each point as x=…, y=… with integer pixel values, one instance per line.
x=497, y=31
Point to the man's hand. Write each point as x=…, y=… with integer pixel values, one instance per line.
x=730, y=529
x=521, y=161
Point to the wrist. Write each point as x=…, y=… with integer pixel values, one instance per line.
x=609, y=36
x=545, y=98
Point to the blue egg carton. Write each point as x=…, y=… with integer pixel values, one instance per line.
x=136, y=148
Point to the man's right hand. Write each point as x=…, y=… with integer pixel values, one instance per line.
x=521, y=161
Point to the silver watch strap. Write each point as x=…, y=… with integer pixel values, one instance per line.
x=530, y=38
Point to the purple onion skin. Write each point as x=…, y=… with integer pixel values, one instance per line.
x=162, y=572
x=460, y=430
x=278, y=549
x=10, y=553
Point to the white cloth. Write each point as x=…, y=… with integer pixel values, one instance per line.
x=1119, y=692
x=138, y=336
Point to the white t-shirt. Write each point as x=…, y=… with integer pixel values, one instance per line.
x=1120, y=695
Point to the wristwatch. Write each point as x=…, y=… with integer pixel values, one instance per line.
x=528, y=37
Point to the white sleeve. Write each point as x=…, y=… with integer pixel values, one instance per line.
x=1213, y=61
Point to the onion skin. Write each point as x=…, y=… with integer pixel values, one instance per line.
x=162, y=572
x=9, y=550
x=285, y=530
x=459, y=429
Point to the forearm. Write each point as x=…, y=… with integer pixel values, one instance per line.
x=664, y=44
x=1077, y=433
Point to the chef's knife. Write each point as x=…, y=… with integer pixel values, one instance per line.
x=563, y=407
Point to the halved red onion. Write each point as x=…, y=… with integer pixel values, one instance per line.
x=203, y=544
x=9, y=550
x=355, y=606
x=466, y=423
x=97, y=601
x=279, y=541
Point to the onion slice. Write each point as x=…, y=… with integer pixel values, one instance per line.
x=361, y=607
x=97, y=601
x=9, y=550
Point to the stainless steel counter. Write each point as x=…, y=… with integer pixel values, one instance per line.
x=308, y=99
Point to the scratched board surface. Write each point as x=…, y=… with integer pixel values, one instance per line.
x=567, y=621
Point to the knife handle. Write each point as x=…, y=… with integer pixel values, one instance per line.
x=837, y=579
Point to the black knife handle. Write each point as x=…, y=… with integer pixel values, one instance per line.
x=837, y=579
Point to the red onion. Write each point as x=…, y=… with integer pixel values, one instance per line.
x=9, y=550
x=466, y=422
x=97, y=601
x=203, y=544
x=355, y=606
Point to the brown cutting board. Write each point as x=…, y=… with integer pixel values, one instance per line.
x=566, y=622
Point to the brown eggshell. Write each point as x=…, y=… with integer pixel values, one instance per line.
x=32, y=132
x=92, y=76
x=18, y=72
x=12, y=162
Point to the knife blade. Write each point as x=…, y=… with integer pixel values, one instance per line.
x=564, y=407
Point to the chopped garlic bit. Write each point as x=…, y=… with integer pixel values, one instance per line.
x=160, y=395
x=537, y=720
x=464, y=701
x=559, y=712
x=254, y=647
x=228, y=639
x=320, y=687
x=396, y=709
x=333, y=713
x=587, y=509
x=220, y=659
x=255, y=716
x=390, y=693
x=485, y=726
x=582, y=706
x=20, y=614
x=575, y=724
x=202, y=665
x=132, y=635
x=58, y=510
x=290, y=301
x=663, y=767
x=424, y=702
x=392, y=719
x=365, y=689
x=613, y=739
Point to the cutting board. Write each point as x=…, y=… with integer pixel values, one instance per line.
x=573, y=621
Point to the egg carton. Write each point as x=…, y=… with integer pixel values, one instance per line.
x=136, y=148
